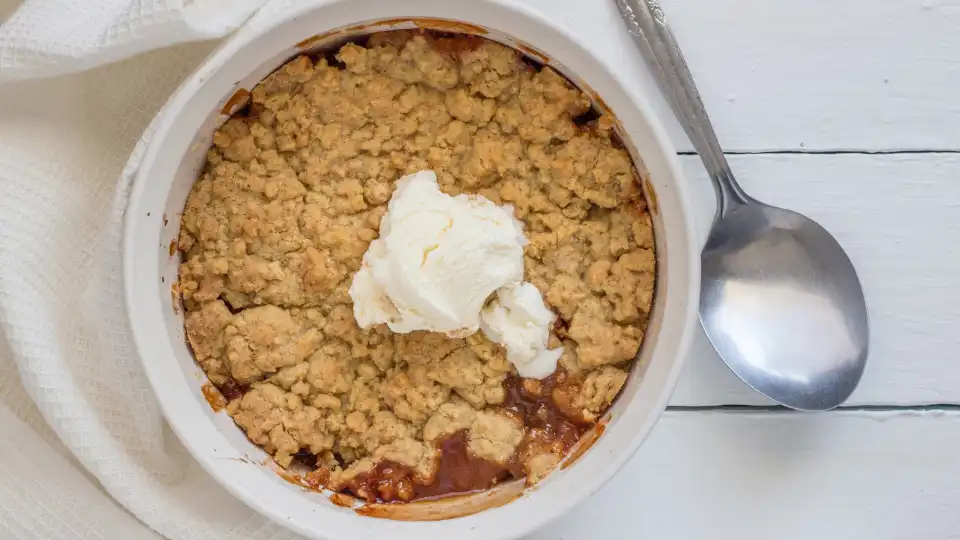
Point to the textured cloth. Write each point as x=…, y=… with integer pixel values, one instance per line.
x=53, y=37
x=84, y=450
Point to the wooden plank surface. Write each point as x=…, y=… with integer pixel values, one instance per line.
x=812, y=75
x=789, y=476
x=810, y=78
x=818, y=75
x=897, y=217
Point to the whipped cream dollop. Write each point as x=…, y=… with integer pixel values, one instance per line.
x=438, y=261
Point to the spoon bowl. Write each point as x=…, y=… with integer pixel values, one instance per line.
x=782, y=304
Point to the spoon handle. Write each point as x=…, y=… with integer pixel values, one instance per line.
x=649, y=30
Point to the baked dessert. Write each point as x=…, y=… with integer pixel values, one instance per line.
x=293, y=194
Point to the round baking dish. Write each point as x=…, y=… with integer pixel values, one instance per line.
x=175, y=156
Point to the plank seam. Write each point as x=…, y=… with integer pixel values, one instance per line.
x=832, y=152
x=779, y=409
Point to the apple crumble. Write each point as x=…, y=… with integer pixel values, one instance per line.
x=292, y=195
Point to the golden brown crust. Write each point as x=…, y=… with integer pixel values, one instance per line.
x=293, y=194
x=494, y=436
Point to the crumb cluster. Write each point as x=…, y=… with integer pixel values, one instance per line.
x=291, y=197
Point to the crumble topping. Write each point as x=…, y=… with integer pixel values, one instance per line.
x=291, y=197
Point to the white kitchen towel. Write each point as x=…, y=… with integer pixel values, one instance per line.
x=85, y=453
x=53, y=37
x=84, y=450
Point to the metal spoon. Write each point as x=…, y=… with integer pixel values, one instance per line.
x=779, y=299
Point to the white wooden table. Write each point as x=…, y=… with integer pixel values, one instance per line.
x=848, y=111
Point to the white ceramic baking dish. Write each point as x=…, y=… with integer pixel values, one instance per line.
x=176, y=154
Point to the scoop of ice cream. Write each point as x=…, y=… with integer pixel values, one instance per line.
x=518, y=319
x=437, y=260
